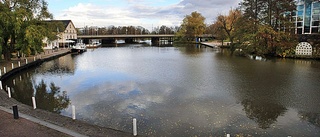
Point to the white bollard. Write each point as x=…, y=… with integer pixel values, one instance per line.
x=12, y=66
x=14, y=82
x=228, y=135
x=34, y=103
x=9, y=92
x=0, y=72
x=26, y=61
x=20, y=78
x=73, y=112
x=34, y=58
x=4, y=70
x=19, y=64
x=134, y=122
x=1, y=85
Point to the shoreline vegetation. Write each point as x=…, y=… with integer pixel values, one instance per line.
x=239, y=51
x=56, y=119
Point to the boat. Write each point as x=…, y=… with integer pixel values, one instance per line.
x=93, y=45
x=79, y=48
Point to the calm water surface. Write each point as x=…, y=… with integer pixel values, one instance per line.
x=179, y=91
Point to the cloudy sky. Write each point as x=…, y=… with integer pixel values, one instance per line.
x=146, y=13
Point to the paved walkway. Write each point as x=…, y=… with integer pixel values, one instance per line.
x=28, y=126
x=40, y=123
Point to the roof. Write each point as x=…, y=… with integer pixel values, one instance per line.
x=65, y=22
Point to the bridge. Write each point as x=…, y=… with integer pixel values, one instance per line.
x=127, y=38
x=155, y=38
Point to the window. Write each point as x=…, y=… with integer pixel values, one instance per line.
x=315, y=30
x=316, y=5
x=300, y=7
x=299, y=31
x=307, y=29
x=315, y=23
x=315, y=17
x=304, y=48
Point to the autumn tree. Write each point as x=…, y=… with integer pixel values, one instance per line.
x=192, y=26
x=229, y=24
x=20, y=22
x=217, y=31
x=269, y=26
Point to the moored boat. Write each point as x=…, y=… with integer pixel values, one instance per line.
x=79, y=48
x=93, y=45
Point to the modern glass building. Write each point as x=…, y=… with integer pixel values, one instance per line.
x=307, y=17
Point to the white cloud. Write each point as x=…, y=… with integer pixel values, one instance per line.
x=143, y=13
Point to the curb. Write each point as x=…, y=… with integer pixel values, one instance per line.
x=44, y=123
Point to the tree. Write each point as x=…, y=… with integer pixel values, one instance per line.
x=20, y=20
x=216, y=30
x=269, y=26
x=228, y=23
x=193, y=26
x=52, y=98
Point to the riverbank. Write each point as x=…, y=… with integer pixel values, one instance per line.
x=63, y=122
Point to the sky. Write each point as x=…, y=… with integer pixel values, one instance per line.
x=145, y=13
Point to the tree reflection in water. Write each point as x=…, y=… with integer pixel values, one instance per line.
x=47, y=98
x=313, y=118
x=263, y=113
x=51, y=99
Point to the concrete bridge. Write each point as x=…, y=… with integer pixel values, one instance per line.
x=155, y=38
x=128, y=38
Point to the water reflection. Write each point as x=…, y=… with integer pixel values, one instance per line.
x=51, y=99
x=184, y=91
x=49, y=96
x=264, y=113
x=313, y=118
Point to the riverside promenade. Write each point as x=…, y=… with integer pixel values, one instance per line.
x=37, y=122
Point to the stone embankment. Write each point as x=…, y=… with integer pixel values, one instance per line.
x=37, y=122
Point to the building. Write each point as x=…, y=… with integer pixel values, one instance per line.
x=307, y=17
x=65, y=37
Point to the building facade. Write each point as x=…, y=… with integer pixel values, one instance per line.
x=65, y=37
x=307, y=17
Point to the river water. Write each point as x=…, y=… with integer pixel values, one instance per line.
x=178, y=91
